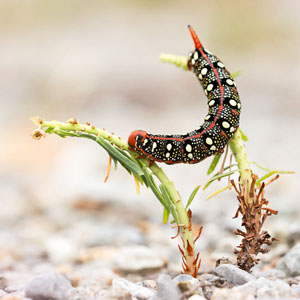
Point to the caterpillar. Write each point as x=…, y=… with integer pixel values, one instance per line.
x=219, y=125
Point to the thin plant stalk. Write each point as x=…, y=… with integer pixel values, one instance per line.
x=74, y=129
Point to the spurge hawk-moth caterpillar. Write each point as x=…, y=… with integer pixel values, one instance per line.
x=219, y=125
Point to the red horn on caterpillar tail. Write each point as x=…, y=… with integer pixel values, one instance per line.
x=195, y=38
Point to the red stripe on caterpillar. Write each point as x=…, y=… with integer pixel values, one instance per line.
x=219, y=125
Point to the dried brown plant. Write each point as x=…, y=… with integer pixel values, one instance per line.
x=252, y=207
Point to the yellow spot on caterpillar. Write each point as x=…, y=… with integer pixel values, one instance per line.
x=209, y=141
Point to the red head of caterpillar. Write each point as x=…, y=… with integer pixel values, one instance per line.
x=136, y=138
x=219, y=124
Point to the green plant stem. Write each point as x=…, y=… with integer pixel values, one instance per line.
x=73, y=128
x=184, y=220
x=238, y=149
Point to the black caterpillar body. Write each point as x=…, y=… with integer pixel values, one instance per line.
x=219, y=125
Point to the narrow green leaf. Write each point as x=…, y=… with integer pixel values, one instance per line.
x=218, y=177
x=213, y=164
x=244, y=137
x=236, y=74
x=272, y=173
x=192, y=196
x=260, y=166
x=166, y=216
x=49, y=130
x=115, y=163
x=171, y=206
x=152, y=185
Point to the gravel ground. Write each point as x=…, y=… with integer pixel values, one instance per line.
x=64, y=233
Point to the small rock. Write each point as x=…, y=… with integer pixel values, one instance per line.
x=3, y=282
x=48, y=285
x=186, y=282
x=230, y=294
x=196, y=297
x=290, y=263
x=149, y=284
x=138, y=258
x=114, y=294
x=166, y=289
x=233, y=274
x=273, y=289
x=272, y=274
x=137, y=291
x=264, y=288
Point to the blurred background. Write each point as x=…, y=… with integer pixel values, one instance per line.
x=98, y=61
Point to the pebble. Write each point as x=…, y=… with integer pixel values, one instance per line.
x=134, y=289
x=290, y=263
x=186, y=282
x=138, y=259
x=265, y=288
x=197, y=297
x=48, y=285
x=272, y=274
x=166, y=289
x=233, y=274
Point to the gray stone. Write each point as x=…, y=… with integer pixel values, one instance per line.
x=197, y=297
x=233, y=274
x=48, y=285
x=166, y=289
x=290, y=263
x=136, y=290
x=186, y=282
x=138, y=258
x=272, y=274
x=263, y=288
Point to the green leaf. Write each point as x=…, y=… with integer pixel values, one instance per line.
x=244, y=137
x=115, y=163
x=192, y=196
x=150, y=181
x=213, y=164
x=236, y=74
x=272, y=173
x=218, y=176
x=166, y=216
x=49, y=130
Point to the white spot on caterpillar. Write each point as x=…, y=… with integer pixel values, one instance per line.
x=232, y=102
x=229, y=81
x=188, y=148
x=211, y=102
x=198, y=128
x=210, y=87
x=200, y=76
x=169, y=146
x=213, y=148
x=205, y=91
x=209, y=141
x=168, y=154
x=196, y=56
x=239, y=105
x=207, y=51
x=220, y=64
x=145, y=142
x=193, y=61
x=208, y=116
x=153, y=146
x=232, y=129
x=190, y=155
x=225, y=124
x=204, y=71
x=136, y=138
